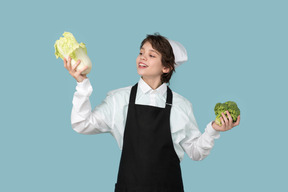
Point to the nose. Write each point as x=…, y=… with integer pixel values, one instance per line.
x=142, y=57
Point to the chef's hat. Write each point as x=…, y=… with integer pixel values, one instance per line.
x=179, y=51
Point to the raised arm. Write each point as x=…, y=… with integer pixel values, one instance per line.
x=83, y=119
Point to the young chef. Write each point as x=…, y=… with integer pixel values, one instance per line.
x=151, y=124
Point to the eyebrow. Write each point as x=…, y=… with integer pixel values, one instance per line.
x=152, y=50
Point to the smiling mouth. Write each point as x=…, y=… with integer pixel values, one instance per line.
x=142, y=65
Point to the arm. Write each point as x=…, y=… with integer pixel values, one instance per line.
x=197, y=145
x=83, y=119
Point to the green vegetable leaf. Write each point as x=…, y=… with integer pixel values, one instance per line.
x=68, y=46
x=230, y=106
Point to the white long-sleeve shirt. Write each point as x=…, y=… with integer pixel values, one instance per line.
x=110, y=117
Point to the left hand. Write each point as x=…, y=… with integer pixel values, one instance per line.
x=227, y=124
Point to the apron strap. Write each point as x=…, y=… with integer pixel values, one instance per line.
x=133, y=94
x=169, y=97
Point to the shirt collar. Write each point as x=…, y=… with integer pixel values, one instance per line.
x=146, y=88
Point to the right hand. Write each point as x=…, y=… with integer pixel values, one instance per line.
x=72, y=70
x=227, y=123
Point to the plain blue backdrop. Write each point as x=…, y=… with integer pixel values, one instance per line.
x=237, y=51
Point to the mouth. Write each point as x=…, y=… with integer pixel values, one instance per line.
x=142, y=65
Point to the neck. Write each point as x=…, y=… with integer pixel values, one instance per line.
x=153, y=83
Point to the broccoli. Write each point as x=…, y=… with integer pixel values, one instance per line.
x=223, y=107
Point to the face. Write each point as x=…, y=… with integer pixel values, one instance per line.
x=149, y=63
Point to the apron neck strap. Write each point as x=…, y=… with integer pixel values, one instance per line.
x=169, y=97
x=134, y=92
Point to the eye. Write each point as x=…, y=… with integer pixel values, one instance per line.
x=152, y=56
x=140, y=53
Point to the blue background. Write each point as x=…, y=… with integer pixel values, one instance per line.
x=237, y=51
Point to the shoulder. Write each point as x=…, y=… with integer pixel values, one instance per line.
x=120, y=93
x=181, y=103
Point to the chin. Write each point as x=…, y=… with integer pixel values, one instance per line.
x=139, y=72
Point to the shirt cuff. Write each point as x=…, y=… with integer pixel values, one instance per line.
x=82, y=82
x=211, y=131
x=84, y=87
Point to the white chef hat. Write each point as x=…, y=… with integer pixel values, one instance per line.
x=179, y=51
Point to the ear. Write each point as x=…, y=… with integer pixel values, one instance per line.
x=165, y=69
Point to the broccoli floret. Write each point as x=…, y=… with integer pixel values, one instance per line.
x=230, y=106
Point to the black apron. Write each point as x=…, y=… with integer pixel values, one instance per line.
x=149, y=162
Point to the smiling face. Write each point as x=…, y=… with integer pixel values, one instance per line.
x=149, y=64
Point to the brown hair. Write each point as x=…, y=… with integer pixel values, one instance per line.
x=162, y=45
